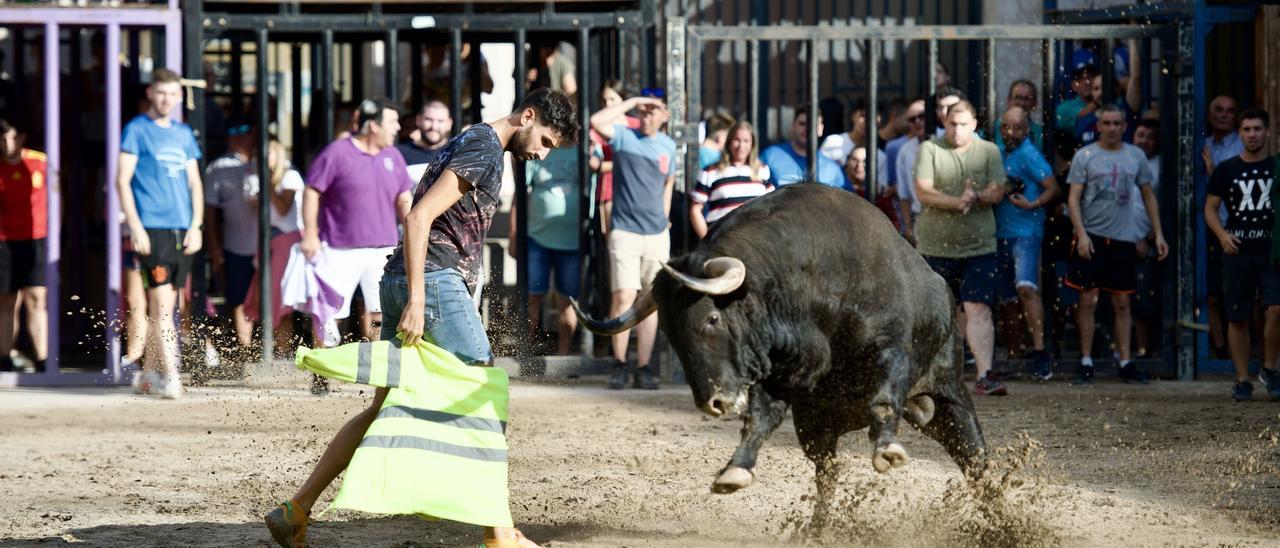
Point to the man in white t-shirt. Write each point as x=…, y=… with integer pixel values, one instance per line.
x=908, y=203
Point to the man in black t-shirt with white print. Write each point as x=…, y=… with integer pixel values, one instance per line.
x=1244, y=183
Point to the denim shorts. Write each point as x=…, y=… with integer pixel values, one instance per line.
x=1019, y=263
x=543, y=261
x=451, y=320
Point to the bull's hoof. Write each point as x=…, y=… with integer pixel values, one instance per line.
x=731, y=479
x=919, y=410
x=889, y=456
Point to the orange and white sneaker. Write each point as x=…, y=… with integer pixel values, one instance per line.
x=288, y=525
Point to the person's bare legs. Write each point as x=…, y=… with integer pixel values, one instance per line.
x=1033, y=313
x=8, y=327
x=338, y=454
x=646, y=333
x=535, y=315
x=162, y=338
x=1124, y=325
x=135, y=295
x=981, y=335
x=33, y=299
x=1238, y=343
x=1217, y=313
x=1085, y=321
x=244, y=327
x=622, y=300
x=566, y=324
x=370, y=324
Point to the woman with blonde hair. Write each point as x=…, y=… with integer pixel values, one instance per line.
x=286, y=229
x=737, y=178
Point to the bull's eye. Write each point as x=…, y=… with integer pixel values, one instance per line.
x=713, y=319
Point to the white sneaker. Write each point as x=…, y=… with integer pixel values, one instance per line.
x=146, y=382
x=211, y=359
x=172, y=389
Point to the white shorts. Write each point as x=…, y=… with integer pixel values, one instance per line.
x=635, y=259
x=347, y=269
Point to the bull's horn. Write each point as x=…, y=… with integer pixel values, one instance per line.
x=727, y=274
x=641, y=309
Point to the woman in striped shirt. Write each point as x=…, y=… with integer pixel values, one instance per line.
x=735, y=180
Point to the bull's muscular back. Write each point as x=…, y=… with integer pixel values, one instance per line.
x=826, y=256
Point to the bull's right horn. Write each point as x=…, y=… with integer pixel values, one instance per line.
x=727, y=274
x=641, y=309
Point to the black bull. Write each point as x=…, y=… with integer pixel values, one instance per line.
x=808, y=297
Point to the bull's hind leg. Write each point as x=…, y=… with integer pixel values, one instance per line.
x=955, y=426
x=886, y=410
x=764, y=414
x=818, y=438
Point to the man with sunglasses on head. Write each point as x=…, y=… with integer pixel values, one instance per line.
x=1022, y=94
x=905, y=165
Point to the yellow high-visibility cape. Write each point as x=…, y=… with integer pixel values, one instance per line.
x=438, y=447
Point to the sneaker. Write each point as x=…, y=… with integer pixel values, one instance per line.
x=986, y=386
x=146, y=382
x=211, y=359
x=968, y=357
x=41, y=366
x=1270, y=379
x=171, y=389
x=1084, y=375
x=645, y=379
x=618, y=375
x=1242, y=391
x=288, y=525
x=1042, y=365
x=1130, y=373
x=319, y=385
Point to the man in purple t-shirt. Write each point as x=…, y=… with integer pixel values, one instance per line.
x=357, y=191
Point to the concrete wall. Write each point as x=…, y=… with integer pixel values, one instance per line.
x=1015, y=59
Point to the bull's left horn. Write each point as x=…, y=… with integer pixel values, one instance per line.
x=641, y=309
x=727, y=274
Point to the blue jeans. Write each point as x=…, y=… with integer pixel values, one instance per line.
x=1019, y=263
x=543, y=261
x=450, y=319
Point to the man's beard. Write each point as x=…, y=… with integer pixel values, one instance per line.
x=1255, y=150
x=427, y=138
x=519, y=144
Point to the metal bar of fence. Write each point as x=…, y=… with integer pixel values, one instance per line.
x=455, y=78
x=753, y=74
x=1048, y=95
x=873, y=110
x=585, y=194
x=326, y=76
x=381, y=23
x=520, y=208
x=931, y=100
x=392, y=68
x=265, y=309
x=990, y=88
x=53, y=180
x=811, y=143
x=114, y=253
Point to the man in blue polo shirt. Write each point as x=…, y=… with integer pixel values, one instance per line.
x=1020, y=228
x=638, y=241
x=163, y=202
x=788, y=162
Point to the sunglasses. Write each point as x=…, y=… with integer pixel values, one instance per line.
x=238, y=130
x=915, y=118
x=657, y=93
x=1031, y=98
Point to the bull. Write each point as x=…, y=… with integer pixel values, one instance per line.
x=807, y=297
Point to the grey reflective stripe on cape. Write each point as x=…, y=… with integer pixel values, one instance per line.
x=424, y=444
x=393, y=365
x=364, y=361
x=459, y=421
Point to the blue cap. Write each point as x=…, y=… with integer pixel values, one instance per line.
x=1120, y=60
x=1082, y=59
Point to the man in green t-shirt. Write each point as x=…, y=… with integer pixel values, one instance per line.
x=958, y=178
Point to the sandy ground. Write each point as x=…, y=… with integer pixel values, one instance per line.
x=1174, y=464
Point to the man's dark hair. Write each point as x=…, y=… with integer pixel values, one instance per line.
x=802, y=109
x=370, y=110
x=894, y=109
x=555, y=111
x=6, y=127
x=949, y=91
x=1110, y=108
x=1254, y=114
x=1023, y=82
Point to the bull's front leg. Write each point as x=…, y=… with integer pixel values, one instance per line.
x=886, y=409
x=764, y=414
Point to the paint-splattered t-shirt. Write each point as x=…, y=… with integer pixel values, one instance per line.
x=457, y=235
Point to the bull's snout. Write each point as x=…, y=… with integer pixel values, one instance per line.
x=719, y=405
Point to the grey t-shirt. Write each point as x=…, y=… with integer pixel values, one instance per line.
x=1111, y=179
x=640, y=169
x=228, y=188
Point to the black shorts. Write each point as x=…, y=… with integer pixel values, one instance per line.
x=971, y=279
x=1113, y=267
x=1213, y=268
x=166, y=264
x=21, y=264
x=1242, y=276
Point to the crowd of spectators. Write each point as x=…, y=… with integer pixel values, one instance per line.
x=1027, y=237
